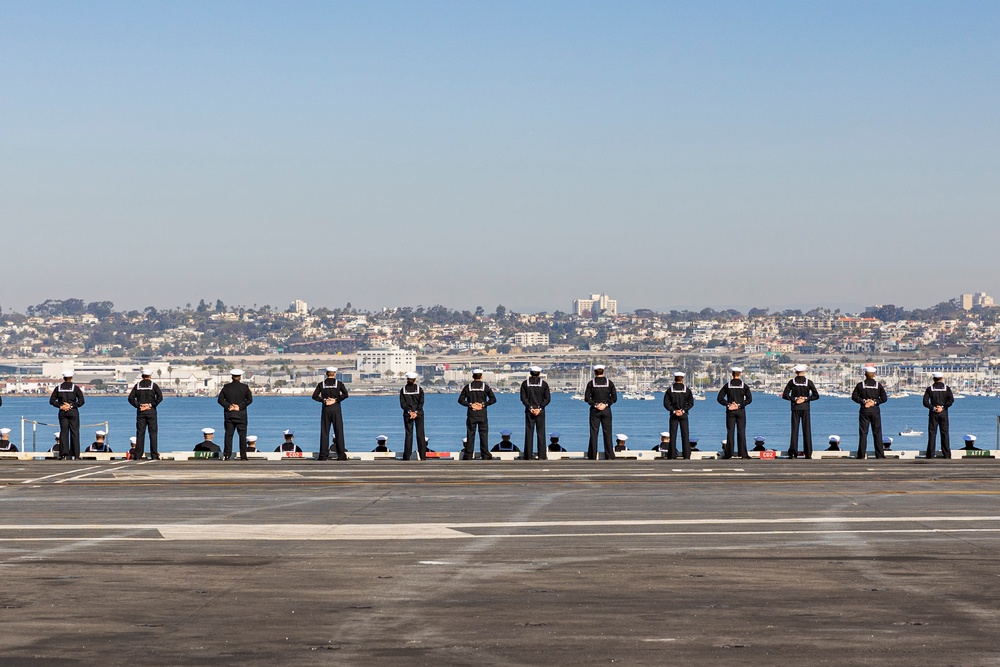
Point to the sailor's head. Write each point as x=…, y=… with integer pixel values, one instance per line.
x=869, y=371
x=554, y=436
x=381, y=440
x=693, y=441
x=236, y=374
x=800, y=369
x=99, y=435
x=477, y=373
x=208, y=433
x=665, y=436
x=679, y=377
x=411, y=378
x=536, y=371
x=56, y=435
x=599, y=370
x=331, y=371
x=937, y=375
x=131, y=442
x=505, y=434
x=4, y=433
x=736, y=371
x=970, y=439
x=760, y=440
x=834, y=439
x=289, y=434
x=146, y=373
x=251, y=441
x=620, y=438
x=886, y=440
x=67, y=375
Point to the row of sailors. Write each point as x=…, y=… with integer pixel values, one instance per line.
x=382, y=443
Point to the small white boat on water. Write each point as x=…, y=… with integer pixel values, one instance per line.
x=910, y=432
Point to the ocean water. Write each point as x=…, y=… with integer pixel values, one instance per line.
x=365, y=417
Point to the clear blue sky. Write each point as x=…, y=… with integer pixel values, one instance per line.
x=525, y=153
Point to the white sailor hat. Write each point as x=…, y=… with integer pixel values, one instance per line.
x=506, y=433
x=131, y=440
x=679, y=374
x=736, y=369
x=869, y=369
x=760, y=438
x=289, y=431
x=411, y=376
x=800, y=368
x=598, y=367
x=331, y=369
x=381, y=438
x=465, y=440
x=535, y=369
x=208, y=431
x=937, y=375
x=834, y=438
x=554, y=434
x=251, y=438
x=100, y=432
x=236, y=371
x=146, y=371
x=886, y=440
x=68, y=373
x=4, y=431
x=55, y=435
x=621, y=437
x=970, y=438
x=664, y=434
x=477, y=371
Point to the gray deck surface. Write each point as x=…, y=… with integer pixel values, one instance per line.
x=500, y=563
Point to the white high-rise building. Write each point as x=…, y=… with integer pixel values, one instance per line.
x=385, y=360
x=981, y=299
x=602, y=303
x=530, y=339
x=300, y=307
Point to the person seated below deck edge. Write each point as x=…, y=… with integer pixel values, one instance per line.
x=663, y=446
x=505, y=445
x=289, y=445
x=207, y=445
x=5, y=444
x=554, y=445
x=251, y=443
x=99, y=445
x=620, y=440
x=381, y=444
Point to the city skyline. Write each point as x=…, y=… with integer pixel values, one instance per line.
x=671, y=154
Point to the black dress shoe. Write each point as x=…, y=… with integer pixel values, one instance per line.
x=341, y=458
x=485, y=456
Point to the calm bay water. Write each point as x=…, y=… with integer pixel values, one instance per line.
x=181, y=420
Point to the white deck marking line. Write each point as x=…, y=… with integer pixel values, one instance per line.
x=56, y=474
x=493, y=524
x=95, y=472
x=203, y=534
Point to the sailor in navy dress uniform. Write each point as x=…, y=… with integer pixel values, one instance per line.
x=505, y=444
x=937, y=399
x=834, y=444
x=206, y=445
x=554, y=445
x=600, y=395
x=678, y=401
x=411, y=401
x=665, y=446
x=477, y=397
x=331, y=392
x=620, y=442
x=970, y=443
x=735, y=396
x=145, y=397
x=251, y=443
x=57, y=448
x=5, y=444
x=289, y=444
x=759, y=444
x=694, y=444
x=381, y=444
x=130, y=454
x=535, y=396
x=235, y=397
x=100, y=443
x=869, y=394
x=800, y=392
x=69, y=399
